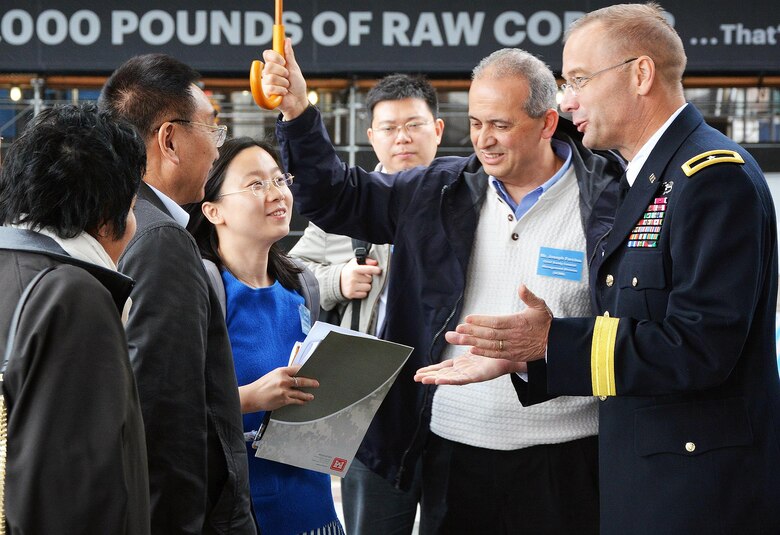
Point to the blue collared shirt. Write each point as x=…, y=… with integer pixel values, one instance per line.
x=563, y=151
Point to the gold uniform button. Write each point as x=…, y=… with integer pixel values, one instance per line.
x=634, y=282
x=690, y=447
x=603, y=398
x=610, y=280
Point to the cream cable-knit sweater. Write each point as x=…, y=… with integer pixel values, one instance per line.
x=488, y=415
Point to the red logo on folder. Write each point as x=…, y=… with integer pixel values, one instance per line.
x=338, y=464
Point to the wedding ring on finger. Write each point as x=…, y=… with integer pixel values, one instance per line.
x=295, y=382
x=500, y=345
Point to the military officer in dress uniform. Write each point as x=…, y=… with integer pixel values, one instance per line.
x=683, y=353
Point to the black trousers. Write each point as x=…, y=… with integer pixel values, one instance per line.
x=542, y=490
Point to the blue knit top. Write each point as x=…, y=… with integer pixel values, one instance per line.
x=263, y=324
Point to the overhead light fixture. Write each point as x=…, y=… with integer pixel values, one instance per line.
x=313, y=97
x=15, y=93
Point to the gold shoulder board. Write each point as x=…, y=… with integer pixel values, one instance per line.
x=711, y=157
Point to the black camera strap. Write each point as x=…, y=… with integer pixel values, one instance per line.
x=361, y=249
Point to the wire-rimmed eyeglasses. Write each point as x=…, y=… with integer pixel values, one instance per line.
x=578, y=82
x=261, y=187
x=391, y=131
x=218, y=131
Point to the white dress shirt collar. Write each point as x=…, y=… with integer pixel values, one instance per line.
x=635, y=165
x=178, y=213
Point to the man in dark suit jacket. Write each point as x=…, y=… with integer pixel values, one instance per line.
x=178, y=341
x=683, y=355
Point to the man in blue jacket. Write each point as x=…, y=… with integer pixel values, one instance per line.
x=405, y=132
x=682, y=353
x=464, y=230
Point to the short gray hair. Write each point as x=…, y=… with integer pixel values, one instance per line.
x=638, y=30
x=513, y=62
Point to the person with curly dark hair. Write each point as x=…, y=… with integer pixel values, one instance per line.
x=76, y=454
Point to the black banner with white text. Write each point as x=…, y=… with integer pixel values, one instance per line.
x=369, y=37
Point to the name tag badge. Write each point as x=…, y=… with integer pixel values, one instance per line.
x=305, y=315
x=560, y=264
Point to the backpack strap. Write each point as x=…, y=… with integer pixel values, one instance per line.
x=310, y=290
x=215, y=278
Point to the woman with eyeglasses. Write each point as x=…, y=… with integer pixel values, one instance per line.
x=245, y=212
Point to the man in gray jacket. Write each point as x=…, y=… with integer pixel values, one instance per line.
x=179, y=346
x=405, y=132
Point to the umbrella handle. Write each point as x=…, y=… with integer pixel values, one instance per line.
x=256, y=71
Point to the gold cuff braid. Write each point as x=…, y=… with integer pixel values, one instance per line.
x=602, y=356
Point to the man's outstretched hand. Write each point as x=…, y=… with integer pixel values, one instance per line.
x=499, y=345
x=467, y=369
x=517, y=337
